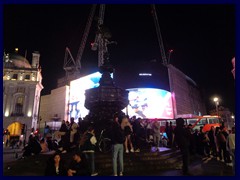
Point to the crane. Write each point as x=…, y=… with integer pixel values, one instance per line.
x=160, y=40
x=72, y=66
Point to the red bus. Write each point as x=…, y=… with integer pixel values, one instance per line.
x=206, y=121
x=197, y=121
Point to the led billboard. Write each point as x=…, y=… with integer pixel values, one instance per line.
x=143, y=102
x=77, y=94
x=150, y=103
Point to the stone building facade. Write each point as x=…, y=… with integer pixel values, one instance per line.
x=22, y=86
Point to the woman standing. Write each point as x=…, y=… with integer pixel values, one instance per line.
x=127, y=131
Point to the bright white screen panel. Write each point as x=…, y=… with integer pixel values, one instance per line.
x=77, y=94
x=150, y=103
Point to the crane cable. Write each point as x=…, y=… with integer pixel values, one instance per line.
x=85, y=36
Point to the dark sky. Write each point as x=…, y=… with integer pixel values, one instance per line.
x=202, y=37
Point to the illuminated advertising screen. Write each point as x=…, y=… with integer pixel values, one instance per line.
x=143, y=102
x=77, y=94
x=150, y=103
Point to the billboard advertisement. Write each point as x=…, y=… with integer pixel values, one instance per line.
x=150, y=103
x=143, y=102
x=77, y=94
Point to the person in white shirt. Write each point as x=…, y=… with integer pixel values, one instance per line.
x=231, y=146
x=73, y=130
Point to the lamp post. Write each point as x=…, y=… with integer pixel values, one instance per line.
x=216, y=101
x=169, y=55
x=233, y=119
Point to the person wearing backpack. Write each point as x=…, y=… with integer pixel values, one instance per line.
x=88, y=149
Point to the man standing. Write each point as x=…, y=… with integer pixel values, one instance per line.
x=118, y=139
x=182, y=138
x=88, y=149
x=156, y=135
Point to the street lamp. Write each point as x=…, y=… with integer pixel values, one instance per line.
x=233, y=119
x=216, y=100
x=169, y=55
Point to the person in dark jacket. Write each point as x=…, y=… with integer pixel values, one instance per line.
x=88, y=149
x=78, y=166
x=212, y=143
x=136, y=133
x=33, y=147
x=55, y=166
x=182, y=138
x=118, y=138
x=64, y=133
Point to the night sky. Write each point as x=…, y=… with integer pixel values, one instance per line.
x=202, y=37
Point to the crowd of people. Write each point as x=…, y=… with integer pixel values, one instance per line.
x=129, y=135
x=217, y=143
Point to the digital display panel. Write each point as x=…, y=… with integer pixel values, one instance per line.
x=143, y=102
x=150, y=103
x=77, y=94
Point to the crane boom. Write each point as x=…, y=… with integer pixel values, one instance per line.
x=72, y=66
x=68, y=53
x=85, y=36
x=160, y=40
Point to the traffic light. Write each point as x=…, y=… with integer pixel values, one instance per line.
x=23, y=129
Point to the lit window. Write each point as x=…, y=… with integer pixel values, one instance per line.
x=8, y=77
x=6, y=114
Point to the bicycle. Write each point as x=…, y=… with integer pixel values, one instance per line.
x=104, y=143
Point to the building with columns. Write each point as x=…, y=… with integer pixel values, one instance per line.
x=22, y=86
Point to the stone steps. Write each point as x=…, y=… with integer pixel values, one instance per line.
x=137, y=162
x=140, y=163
